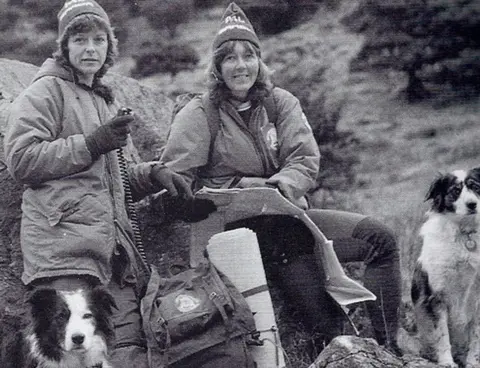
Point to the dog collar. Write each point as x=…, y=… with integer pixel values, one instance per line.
x=467, y=233
x=470, y=244
x=467, y=241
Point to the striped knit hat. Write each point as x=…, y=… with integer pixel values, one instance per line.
x=74, y=8
x=235, y=26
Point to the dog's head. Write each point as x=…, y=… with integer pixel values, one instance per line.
x=457, y=192
x=65, y=321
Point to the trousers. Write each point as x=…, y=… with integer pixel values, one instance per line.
x=286, y=246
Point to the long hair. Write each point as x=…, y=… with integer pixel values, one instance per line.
x=216, y=85
x=86, y=23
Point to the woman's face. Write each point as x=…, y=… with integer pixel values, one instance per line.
x=239, y=70
x=87, y=53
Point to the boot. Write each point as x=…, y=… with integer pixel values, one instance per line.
x=304, y=285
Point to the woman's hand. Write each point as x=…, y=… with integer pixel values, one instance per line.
x=110, y=136
x=168, y=179
x=257, y=182
x=253, y=182
x=196, y=209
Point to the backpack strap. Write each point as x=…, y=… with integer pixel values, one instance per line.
x=271, y=108
x=155, y=329
x=213, y=118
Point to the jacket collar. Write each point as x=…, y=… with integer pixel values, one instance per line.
x=51, y=67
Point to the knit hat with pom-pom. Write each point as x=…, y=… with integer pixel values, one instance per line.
x=74, y=8
x=235, y=26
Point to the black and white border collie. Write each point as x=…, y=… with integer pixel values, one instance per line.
x=446, y=281
x=68, y=329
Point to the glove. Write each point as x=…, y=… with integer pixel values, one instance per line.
x=196, y=209
x=110, y=136
x=168, y=179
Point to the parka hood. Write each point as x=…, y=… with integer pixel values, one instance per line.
x=52, y=68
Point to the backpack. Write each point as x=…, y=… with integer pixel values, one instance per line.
x=213, y=114
x=196, y=317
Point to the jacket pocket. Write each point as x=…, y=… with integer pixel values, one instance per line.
x=87, y=209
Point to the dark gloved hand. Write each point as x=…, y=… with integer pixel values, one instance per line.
x=168, y=179
x=196, y=209
x=110, y=136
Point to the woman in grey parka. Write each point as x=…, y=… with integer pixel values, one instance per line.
x=250, y=150
x=61, y=142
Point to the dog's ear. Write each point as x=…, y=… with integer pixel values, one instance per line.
x=102, y=307
x=475, y=174
x=437, y=191
x=102, y=297
x=42, y=300
x=435, y=188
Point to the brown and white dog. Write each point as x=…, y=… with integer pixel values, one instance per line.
x=446, y=281
x=66, y=329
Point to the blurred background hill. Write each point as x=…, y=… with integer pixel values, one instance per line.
x=390, y=87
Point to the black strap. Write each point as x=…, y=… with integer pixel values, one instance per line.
x=213, y=118
x=271, y=108
x=255, y=290
x=157, y=352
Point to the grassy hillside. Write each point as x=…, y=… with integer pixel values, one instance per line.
x=402, y=146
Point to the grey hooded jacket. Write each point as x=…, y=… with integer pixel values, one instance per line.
x=73, y=208
x=284, y=151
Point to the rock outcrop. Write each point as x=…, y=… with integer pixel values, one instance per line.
x=357, y=352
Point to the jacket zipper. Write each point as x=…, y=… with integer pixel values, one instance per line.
x=259, y=142
x=108, y=164
x=256, y=142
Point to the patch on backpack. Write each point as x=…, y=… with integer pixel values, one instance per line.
x=186, y=303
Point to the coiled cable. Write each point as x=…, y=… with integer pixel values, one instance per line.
x=131, y=208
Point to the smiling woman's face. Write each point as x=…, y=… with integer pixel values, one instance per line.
x=239, y=70
x=87, y=53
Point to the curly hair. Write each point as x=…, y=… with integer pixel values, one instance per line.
x=86, y=23
x=216, y=85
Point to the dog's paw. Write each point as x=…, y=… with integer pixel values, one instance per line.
x=475, y=364
x=107, y=365
x=99, y=364
x=407, y=318
x=448, y=365
x=446, y=360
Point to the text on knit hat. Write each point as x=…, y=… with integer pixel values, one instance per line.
x=235, y=26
